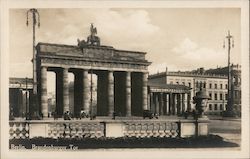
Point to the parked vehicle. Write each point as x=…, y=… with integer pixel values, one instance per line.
x=149, y=114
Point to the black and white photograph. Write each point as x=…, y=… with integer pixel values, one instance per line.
x=120, y=79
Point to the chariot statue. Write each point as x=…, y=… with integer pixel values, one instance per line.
x=92, y=38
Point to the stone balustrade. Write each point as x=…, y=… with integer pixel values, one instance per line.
x=151, y=129
x=19, y=130
x=76, y=130
x=111, y=128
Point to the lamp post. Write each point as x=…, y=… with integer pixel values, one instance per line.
x=229, y=108
x=36, y=21
x=26, y=98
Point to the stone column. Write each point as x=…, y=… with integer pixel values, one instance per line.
x=161, y=103
x=128, y=93
x=152, y=102
x=144, y=91
x=183, y=103
x=174, y=104
x=110, y=93
x=167, y=103
x=178, y=104
x=164, y=99
x=65, y=90
x=170, y=104
x=156, y=103
x=86, y=91
x=188, y=102
x=44, y=97
x=148, y=102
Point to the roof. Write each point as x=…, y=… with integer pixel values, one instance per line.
x=168, y=88
x=20, y=83
x=187, y=74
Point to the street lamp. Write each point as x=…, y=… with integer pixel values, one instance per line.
x=26, y=98
x=229, y=108
x=36, y=21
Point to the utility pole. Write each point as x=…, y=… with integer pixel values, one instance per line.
x=229, y=108
x=36, y=21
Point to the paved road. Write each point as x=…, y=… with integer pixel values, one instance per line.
x=229, y=129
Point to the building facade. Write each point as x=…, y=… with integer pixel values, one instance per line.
x=20, y=96
x=214, y=81
x=168, y=99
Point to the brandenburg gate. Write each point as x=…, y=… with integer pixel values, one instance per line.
x=121, y=77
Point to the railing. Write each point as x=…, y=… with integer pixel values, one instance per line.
x=19, y=130
x=85, y=129
x=76, y=130
x=151, y=129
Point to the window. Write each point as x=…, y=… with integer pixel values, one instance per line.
x=210, y=106
x=210, y=95
x=189, y=84
x=221, y=107
x=215, y=86
x=215, y=96
x=221, y=96
x=210, y=85
x=225, y=86
x=221, y=86
x=226, y=96
x=197, y=84
x=204, y=85
x=215, y=107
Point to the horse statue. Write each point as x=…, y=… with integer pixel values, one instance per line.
x=92, y=38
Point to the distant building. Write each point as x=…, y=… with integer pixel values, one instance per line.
x=215, y=81
x=20, y=92
x=235, y=84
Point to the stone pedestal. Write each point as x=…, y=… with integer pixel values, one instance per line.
x=187, y=129
x=193, y=128
x=114, y=129
x=38, y=130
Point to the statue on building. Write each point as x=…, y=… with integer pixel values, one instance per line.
x=92, y=38
x=81, y=43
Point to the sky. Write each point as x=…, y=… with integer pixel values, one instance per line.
x=180, y=39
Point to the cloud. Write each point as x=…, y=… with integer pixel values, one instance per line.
x=185, y=46
x=128, y=29
x=156, y=68
x=21, y=69
x=191, y=53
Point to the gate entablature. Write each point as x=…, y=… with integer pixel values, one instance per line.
x=90, y=57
